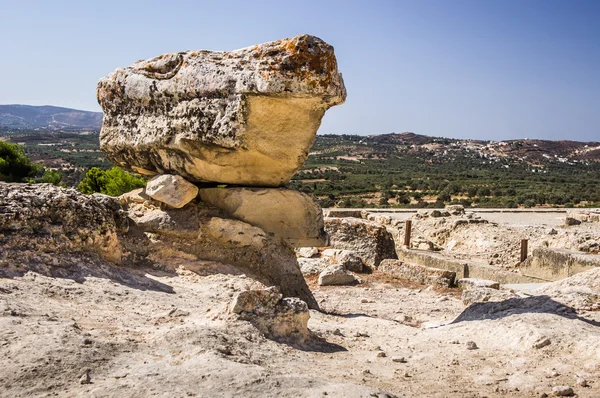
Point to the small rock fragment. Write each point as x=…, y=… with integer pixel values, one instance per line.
x=562, y=391
x=471, y=345
x=172, y=190
x=85, y=377
x=541, y=342
x=337, y=332
x=581, y=382
x=399, y=359
x=307, y=252
x=381, y=354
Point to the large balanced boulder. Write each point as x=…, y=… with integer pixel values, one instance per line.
x=245, y=117
x=287, y=214
x=371, y=241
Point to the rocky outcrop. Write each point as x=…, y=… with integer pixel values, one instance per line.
x=165, y=236
x=39, y=222
x=370, y=240
x=244, y=117
x=287, y=214
x=51, y=228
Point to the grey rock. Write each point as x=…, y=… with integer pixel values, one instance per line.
x=268, y=311
x=562, y=391
x=581, y=382
x=471, y=345
x=346, y=258
x=313, y=266
x=85, y=377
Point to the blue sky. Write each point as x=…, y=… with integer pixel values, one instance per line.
x=486, y=69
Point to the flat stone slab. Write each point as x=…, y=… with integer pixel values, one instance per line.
x=284, y=213
x=467, y=283
x=418, y=273
x=246, y=117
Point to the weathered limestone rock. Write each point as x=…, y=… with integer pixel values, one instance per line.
x=277, y=317
x=53, y=230
x=287, y=214
x=313, y=266
x=370, y=240
x=40, y=222
x=235, y=233
x=418, y=273
x=198, y=231
x=244, y=117
x=336, y=275
x=469, y=283
x=484, y=295
x=346, y=258
x=307, y=252
x=173, y=190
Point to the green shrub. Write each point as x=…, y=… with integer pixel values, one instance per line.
x=113, y=182
x=14, y=165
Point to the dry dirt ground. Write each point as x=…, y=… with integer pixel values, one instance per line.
x=149, y=333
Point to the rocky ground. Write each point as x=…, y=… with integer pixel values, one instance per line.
x=142, y=332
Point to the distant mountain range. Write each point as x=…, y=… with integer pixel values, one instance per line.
x=48, y=118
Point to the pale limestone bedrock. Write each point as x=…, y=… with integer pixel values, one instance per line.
x=244, y=117
x=172, y=190
x=284, y=213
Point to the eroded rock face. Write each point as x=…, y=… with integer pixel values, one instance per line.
x=39, y=221
x=50, y=228
x=168, y=236
x=244, y=117
x=287, y=214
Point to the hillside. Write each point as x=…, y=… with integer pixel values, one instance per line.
x=44, y=118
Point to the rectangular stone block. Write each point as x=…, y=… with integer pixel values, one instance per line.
x=418, y=273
